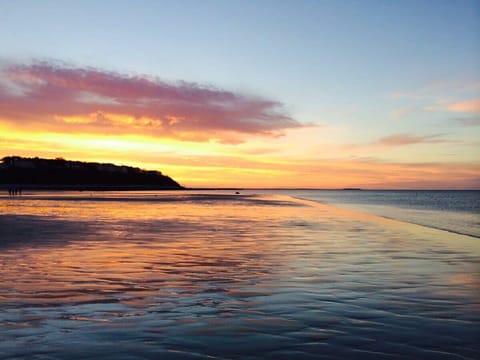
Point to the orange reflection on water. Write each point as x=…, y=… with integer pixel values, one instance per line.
x=102, y=248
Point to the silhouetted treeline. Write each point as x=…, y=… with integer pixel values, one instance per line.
x=60, y=172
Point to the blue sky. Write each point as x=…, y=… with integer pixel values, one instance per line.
x=363, y=69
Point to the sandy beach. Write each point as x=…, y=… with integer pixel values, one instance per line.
x=222, y=276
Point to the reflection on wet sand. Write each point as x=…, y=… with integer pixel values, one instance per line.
x=191, y=276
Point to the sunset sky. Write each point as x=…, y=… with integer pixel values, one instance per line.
x=313, y=94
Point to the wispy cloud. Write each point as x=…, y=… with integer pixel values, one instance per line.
x=398, y=140
x=459, y=96
x=408, y=139
x=468, y=121
x=57, y=97
x=435, y=89
x=404, y=112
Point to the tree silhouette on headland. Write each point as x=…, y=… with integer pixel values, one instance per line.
x=63, y=173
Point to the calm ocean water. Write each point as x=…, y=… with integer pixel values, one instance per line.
x=456, y=211
x=186, y=275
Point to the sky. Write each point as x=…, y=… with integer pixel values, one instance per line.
x=276, y=94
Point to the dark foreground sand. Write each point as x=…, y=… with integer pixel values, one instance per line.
x=203, y=276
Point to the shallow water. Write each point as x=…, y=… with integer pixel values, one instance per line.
x=181, y=275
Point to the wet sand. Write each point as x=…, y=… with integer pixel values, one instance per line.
x=189, y=276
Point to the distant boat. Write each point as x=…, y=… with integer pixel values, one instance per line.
x=351, y=188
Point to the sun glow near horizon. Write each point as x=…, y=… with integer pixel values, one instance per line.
x=210, y=164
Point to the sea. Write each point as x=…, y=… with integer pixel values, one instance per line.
x=245, y=274
x=457, y=211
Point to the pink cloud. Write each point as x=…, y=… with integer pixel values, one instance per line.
x=48, y=95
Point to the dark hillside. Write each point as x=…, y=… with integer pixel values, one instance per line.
x=31, y=172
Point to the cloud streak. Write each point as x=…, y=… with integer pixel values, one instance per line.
x=88, y=100
x=407, y=139
x=468, y=121
x=398, y=140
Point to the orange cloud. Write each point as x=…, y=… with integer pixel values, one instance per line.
x=465, y=106
x=86, y=100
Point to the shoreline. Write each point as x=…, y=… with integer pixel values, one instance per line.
x=187, y=194
x=141, y=194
